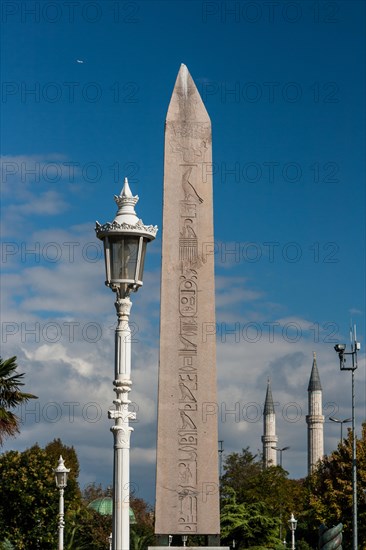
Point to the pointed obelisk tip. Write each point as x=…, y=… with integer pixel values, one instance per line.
x=186, y=102
x=314, y=355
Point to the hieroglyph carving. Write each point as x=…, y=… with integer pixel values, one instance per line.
x=187, y=376
x=187, y=445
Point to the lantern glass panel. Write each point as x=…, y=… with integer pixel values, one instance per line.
x=61, y=479
x=142, y=259
x=123, y=258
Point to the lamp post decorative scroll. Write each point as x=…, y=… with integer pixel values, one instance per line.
x=61, y=473
x=125, y=241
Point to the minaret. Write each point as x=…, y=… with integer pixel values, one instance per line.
x=315, y=419
x=269, y=438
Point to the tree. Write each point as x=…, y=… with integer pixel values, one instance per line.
x=240, y=471
x=141, y=533
x=28, y=515
x=330, y=489
x=247, y=524
x=86, y=529
x=143, y=513
x=269, y=489
x=10, y=397
x=93, y=491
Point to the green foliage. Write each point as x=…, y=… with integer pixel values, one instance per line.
x=86, y=529
x=93, y=491
x=240, y=473
x=330, y=489
x=269, y=488
x=6, y=545
x=140, y=540
x=247, y=524
x=10, y=397
x=29, y=513
x=325, y=497
x=303, y=545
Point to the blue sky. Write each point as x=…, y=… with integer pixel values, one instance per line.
x=284, y=86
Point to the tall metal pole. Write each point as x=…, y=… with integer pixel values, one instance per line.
x=354, y=464
x=354, y=347
x=121, y=429
x=340, y=349
x=61, y=523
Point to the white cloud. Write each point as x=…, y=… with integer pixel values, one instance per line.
x=59, y=319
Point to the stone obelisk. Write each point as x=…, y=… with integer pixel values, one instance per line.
x=187, y=484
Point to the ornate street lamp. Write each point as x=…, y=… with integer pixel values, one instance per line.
x=61, y=473
x=341, y=350
x=292, y=524
x=125, y=241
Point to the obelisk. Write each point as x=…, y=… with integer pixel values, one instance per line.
x=187, y=483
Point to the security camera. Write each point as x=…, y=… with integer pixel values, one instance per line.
x=340, y=348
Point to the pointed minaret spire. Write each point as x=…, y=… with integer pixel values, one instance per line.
x=315, y=418
x=268, y=404
x=314, y=382
x=269, y=438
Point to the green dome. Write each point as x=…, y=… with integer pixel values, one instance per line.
x=104, y=506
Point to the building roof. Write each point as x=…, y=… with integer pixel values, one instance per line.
x=314, y=382
x=105, y=506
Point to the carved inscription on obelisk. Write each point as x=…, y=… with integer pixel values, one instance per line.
x=187, y=497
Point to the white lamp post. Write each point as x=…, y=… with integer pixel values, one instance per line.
x=292, y=524
x=61, y=481
x=125, y=241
